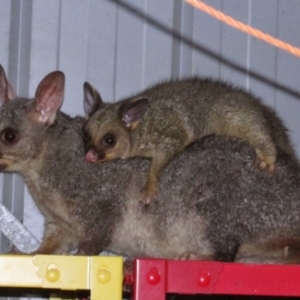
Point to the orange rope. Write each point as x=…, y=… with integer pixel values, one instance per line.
x=243, y=27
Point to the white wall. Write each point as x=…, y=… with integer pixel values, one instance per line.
x=122, y=48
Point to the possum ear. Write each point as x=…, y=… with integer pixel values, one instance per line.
x=7, y=92
x=133, y=112
x=92, y=99
x=49, y=97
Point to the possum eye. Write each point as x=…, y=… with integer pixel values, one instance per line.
x=9, y=135
x=109, y=140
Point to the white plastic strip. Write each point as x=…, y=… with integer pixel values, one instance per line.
x=16, y=232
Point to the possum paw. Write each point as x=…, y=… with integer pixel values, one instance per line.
x=266, y=162
x=148, y=194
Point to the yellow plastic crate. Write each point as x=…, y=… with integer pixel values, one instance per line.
x=102, y=275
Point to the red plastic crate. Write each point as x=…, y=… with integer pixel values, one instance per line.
x=153, y=278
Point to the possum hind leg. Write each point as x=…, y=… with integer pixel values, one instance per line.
x=235, y=115
x=266, y=157
x=263, y=144
x=258, y=136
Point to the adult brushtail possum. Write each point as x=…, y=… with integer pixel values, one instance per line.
x=212, y=200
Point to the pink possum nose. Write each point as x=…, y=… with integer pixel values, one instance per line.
x=91, y=156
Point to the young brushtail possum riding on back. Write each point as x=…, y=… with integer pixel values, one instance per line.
x=160, y=121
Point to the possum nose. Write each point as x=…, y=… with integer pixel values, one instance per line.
x=91, y=155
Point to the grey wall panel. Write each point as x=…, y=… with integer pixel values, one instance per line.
x=288, y=69
x=44, y=40
x=73, y=51
x=4, y=50
x=207, y=36
x=5, y=13
x=129, y=55
x=262, y=70
x=19, y=46
x=157, y=44
x=235, y=44
x=101, y=47
x=182, y=56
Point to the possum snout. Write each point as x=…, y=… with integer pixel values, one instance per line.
x=93, y=156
